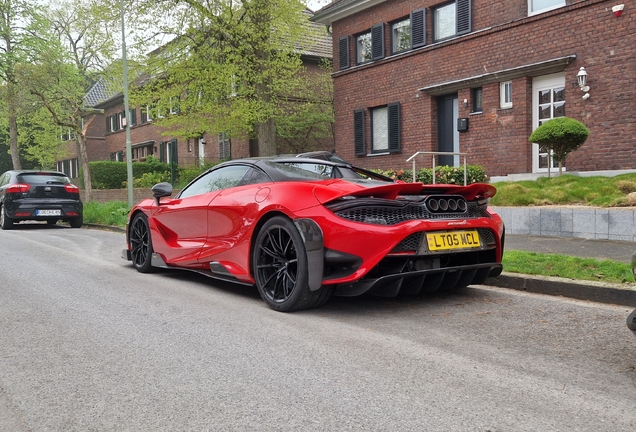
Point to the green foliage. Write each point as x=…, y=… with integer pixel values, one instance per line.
x=114, y=175
x=443, y=175
x=149, y=179
x=560, y=135
x=226, y=67
x=568, y=189
x=113, y=213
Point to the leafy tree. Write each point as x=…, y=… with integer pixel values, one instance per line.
x=309, y=122
x=20, y=37
x=560, y=136
x=230, y=66
x=79, y=46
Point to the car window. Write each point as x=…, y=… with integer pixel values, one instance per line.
x=37, y=178
x=220, y=178
x=304, y=170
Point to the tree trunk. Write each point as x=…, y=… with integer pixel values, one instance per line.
x=13, y=126
x=88, y=187
x=267, y=137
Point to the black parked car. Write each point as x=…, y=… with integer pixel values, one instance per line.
x=40, y=196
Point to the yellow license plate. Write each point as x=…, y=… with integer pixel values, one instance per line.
x=453, y=240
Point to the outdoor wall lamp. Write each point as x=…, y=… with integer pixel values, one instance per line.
x=581, y=77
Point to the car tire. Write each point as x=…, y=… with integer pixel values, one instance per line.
x=76, y=222
x=280, y=269
x=141, y=244
x=6, y=223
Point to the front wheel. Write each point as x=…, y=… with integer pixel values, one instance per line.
x=280, y=269
x=141, y=244
x=5, y=222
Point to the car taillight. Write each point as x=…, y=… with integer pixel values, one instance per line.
x=71, y=188
x=18, y=188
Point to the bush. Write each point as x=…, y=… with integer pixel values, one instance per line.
x=443, y=174
x=114, y=175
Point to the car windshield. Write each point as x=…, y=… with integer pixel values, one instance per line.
x=43, y=178
x=305, y=170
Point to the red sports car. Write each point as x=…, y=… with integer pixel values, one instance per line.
x=304, y=229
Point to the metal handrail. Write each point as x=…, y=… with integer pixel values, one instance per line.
x=433, y=157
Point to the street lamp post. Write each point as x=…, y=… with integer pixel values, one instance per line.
x=129, y=172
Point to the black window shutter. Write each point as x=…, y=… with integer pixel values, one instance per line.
x=162, y=151
x=377, y=41
x=418, y=28
x=120, y=155
x=463, y=16
x=144, y=115
x=108, y=124
x=174, y=156
x=133, y=116
x=358, y=133
x=395, y=144
x=343, y=52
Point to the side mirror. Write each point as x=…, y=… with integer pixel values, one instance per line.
x=161, y=190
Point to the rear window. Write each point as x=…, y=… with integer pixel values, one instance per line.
x=301, y=170
x=44, y=178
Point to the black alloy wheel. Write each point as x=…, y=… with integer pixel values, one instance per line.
x=5, y=222
x=279, y=262
x=141, y=244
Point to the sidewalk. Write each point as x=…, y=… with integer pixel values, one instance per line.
x=583, y=290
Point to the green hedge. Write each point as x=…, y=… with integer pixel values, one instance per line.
x=443, y=174
x=113, y=175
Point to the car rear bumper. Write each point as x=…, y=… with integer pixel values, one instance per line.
x=421, y=281
x=31, y=209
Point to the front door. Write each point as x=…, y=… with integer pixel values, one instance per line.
x=548, y=102
x=447, y=135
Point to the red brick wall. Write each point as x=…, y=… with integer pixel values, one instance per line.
x=503, y=38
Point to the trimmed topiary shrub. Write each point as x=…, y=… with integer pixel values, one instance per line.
x=561, y=136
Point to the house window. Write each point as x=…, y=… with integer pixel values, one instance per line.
x=146, y=114
x=363, y=48
x=225, y=147
x=114, y=122
x=385, y=129
x=401, y=36
x=452, y=19
x=505, y=94
x=538, y=6
x=477, y=100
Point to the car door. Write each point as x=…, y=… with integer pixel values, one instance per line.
x=183, y=220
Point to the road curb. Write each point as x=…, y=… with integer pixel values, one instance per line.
x=582, y=290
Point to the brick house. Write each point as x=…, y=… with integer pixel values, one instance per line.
x=477, y=77
x=106, y=137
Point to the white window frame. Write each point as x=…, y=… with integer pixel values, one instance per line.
x=556, y=5
x=505, y=94
x=541, y=83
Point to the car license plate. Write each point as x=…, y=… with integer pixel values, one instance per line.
x=453, y=240
x=48, y=212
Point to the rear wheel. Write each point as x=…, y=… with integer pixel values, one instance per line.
x=141, y=244
x=5, y=222
x=280, y=268
x=76, y=222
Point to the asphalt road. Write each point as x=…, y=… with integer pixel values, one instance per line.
x=88, y=344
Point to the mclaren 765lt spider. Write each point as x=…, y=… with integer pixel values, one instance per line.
x=303, y=229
